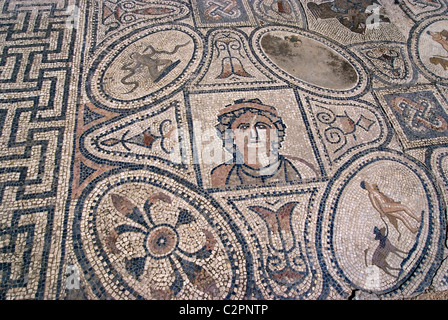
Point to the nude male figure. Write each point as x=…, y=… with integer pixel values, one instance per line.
x=390, y=208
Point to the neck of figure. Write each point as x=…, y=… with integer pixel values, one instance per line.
x=262, y=168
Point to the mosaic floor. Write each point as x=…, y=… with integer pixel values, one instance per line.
x=223, y=149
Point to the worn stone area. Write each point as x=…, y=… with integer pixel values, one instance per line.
x=225, y=149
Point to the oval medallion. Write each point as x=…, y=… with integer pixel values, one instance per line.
x=313, y=63
x=429, y=46
x=383, y=224
x=138, y=69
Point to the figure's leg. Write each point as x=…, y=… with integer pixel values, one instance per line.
x=403, y=218
x=387, y=267
x=412, y=214
x=393, y=221
x=398, y=251
x=394, y=207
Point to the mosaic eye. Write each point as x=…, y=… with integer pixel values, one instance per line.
x=263, y=126
x=244, y=126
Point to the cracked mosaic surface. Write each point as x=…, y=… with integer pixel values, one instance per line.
x=226, y=149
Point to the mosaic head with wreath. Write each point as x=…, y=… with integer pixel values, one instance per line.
x=253, y=133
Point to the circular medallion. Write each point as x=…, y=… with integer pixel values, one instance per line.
x=143, y=235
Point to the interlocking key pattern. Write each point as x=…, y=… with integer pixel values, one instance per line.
x=37, y=40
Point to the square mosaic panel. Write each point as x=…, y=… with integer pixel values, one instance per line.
x=419, y=114
x=223, y=13
x=211, y=152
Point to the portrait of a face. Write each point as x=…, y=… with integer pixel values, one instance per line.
x=256, y=138
x=253, y=132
